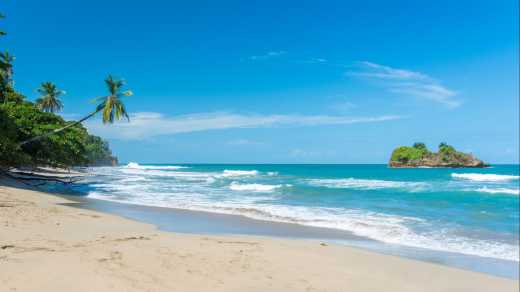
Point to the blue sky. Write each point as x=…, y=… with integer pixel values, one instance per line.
x=271, y=82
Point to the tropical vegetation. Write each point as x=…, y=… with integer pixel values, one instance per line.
x=419, y=155
x=33, y=134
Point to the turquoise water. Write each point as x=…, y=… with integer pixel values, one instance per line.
x=467, y=211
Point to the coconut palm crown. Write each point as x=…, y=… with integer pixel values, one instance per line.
x=49, y=101
x=112, y=105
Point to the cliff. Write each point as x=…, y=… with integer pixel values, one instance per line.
x=419, y=156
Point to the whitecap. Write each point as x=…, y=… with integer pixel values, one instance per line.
x=484, y=177
x=230, y=173
x=235, y=186
x=498, y=191
x=133, y=165
x=138, y=166
x=367, y=184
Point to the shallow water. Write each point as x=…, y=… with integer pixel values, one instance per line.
x=472, y=212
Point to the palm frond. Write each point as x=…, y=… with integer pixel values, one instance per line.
x=112, y=106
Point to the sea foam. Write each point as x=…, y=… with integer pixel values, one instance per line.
x=245, y=192
x=138, y=166
x=499, y=191
x=367, y=184
x=235, y=186
x=230, y=173
x=485, y=177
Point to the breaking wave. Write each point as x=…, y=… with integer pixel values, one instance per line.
x=499, y=191
x=138, y=166
x=230, y=173
x=490, y=177
x=412, y=220
x=368, y=184
x=235, y=186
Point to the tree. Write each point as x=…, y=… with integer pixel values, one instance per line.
x=419, y=145
x=111, y=106
x=2, y=33
x=6, y=75
x=49, y=101
x=6, y=66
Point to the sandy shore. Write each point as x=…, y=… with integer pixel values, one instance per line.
x=45, y=246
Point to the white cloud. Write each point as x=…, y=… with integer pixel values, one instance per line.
x=373, y=70
x=268, y=55
x=315, y=61
x=149, y=124
x=407, y=82
x=435, y=92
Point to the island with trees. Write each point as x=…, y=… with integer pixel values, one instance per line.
x=419, y=155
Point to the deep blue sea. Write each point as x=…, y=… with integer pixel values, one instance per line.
x=465, y=211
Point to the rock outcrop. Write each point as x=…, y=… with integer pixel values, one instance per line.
x=419, y=156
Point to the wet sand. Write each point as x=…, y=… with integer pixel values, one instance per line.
x=48, y=246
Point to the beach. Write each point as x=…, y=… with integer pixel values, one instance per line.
x=47, y=246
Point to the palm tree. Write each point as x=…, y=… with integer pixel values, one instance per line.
x=6, y=66
x=2, y=33
x=50, y=100
x=111, y=105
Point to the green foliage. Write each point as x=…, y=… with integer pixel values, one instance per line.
x=405, y=154
x=448, y=153
x=8, y=95
x=420, y=145
x=112, y=105
x=97, y=150
x=445, y=148
x=53, y=141
x=73, y=146
x=420, y=155
x=49, y=101
x=10, y=152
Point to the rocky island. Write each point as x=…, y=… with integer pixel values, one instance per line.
x=419, y=156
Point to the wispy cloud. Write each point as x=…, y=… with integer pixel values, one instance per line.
x=407, y=82
x=149, y=124
x=314, y=61
x=268, y=55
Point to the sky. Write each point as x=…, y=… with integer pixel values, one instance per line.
x=279, y=81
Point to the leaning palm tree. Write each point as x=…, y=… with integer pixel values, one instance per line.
x=111, y=105
x=49, y=101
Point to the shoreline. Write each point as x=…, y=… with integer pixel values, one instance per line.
x=43, y=239
x=221, y=224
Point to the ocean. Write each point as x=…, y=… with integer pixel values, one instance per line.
x=472, y=212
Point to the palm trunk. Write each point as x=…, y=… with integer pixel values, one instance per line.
x=60, y=129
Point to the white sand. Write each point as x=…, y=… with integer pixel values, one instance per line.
x=48, y=247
